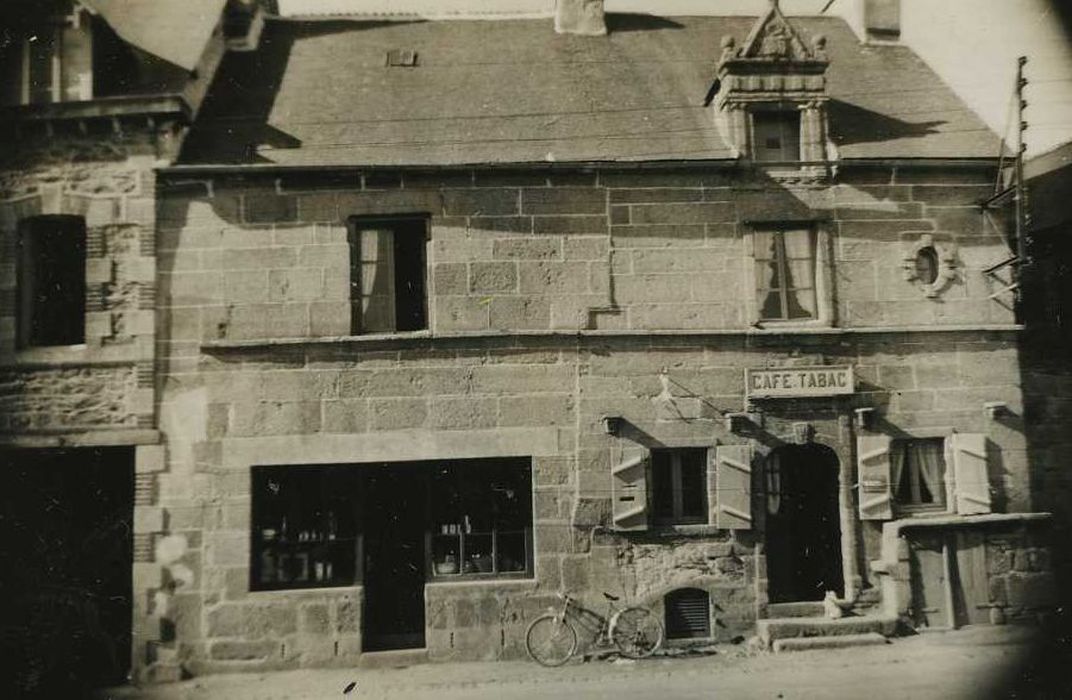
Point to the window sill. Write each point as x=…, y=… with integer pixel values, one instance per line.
x=524, y=581
x=789, y=330
x=340, y=589
x=686, y=529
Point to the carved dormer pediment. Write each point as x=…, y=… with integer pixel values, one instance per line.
x=772, y=98
x=773, y=38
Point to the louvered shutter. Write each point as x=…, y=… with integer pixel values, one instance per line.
x=873, y=472
x=970, y=482
x=733, y=487
x=688, y=614
x=629, y=492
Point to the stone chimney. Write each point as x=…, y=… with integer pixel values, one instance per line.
x=580, y=17
x=882, y=19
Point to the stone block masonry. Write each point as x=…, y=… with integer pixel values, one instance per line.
x=255, y=259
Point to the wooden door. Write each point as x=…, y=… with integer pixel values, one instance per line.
x=929, y=577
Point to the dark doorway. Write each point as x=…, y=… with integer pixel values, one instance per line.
x=396, y=500
x=803, y=524
x=66, y=548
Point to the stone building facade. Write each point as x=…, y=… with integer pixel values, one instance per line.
x=419, y=368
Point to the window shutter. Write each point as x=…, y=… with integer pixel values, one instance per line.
x=629, y=491
x=873, y=473
x=733, y=487
x=970, y=481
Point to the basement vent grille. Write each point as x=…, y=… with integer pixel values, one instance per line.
x=402, y=58
x=688, y=614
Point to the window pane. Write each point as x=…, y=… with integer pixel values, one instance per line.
x=662, y=484
x=511, y=552
x=693, y=483
x=776, y=136
x=51, y=281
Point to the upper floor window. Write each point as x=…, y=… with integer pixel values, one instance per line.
x=776, y=136
x=53, y=63
x=387, y=274
x=51, y=279
x=785, y=264
x=679, y=485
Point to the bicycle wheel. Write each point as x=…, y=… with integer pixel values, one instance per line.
x=551, y=640
x=637, y=632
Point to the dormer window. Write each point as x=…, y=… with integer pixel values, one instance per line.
x=776, y=136
x=51, y=63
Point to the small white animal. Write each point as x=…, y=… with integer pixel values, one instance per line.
x=831, y=607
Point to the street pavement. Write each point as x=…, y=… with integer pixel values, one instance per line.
x=969, y=664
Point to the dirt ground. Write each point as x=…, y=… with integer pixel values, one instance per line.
x=973, y=663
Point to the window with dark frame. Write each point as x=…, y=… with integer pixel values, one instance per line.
x=51, y=281
x=305, y=532
x=918, y=473
x=481, y=522
x=679, y=485
x=785, y=263
x=307, y=522
x=776, y=136
x=387, y=274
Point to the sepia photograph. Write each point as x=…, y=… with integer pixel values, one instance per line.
x=523, y=349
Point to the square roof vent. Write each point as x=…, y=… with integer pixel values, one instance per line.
x=402, y=58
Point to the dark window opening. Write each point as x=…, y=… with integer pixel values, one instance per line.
x=387, y=275
x=919, y=472
x=688, y=614
x=304, y=527
x=927, y=265
x=51, y=281
x=115, y=65
x=338, y=525
x=785, y=274
x=481, y=518
x=776, y=136
x=679, y=485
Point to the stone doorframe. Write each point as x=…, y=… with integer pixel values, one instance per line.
x=833, y=429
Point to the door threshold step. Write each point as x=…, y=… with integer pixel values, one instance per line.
x=839, y=642
x=773, y=629
x=392, y=658
x=803, y=608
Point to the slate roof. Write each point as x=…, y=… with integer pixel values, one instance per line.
x=512, y=91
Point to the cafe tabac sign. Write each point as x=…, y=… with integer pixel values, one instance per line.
x=790, y=382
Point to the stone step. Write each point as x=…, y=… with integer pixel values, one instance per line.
x=396, y=658
x=839, y=642
x=807, y=608
x=774, y=629
x=163, y=673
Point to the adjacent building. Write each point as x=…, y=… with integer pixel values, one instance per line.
x=396, y=329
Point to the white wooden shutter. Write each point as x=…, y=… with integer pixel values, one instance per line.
x=733, y=488
x=629, y=492
x=970, y=480
x=873, y=473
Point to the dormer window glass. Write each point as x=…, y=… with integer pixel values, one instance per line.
x=51, y=63
x=776, y=136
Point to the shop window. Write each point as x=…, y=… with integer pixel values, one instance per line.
x=387, y=274
x=918, y=473
x=679, y=485
x=304, y=527
x=481, y=519
x=776, y=136
x=688, y=614
x=51, y=280
x=786, y=280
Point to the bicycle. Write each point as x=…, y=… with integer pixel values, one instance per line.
x=551, y=639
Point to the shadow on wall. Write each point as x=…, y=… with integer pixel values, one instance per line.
x=852, y=124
